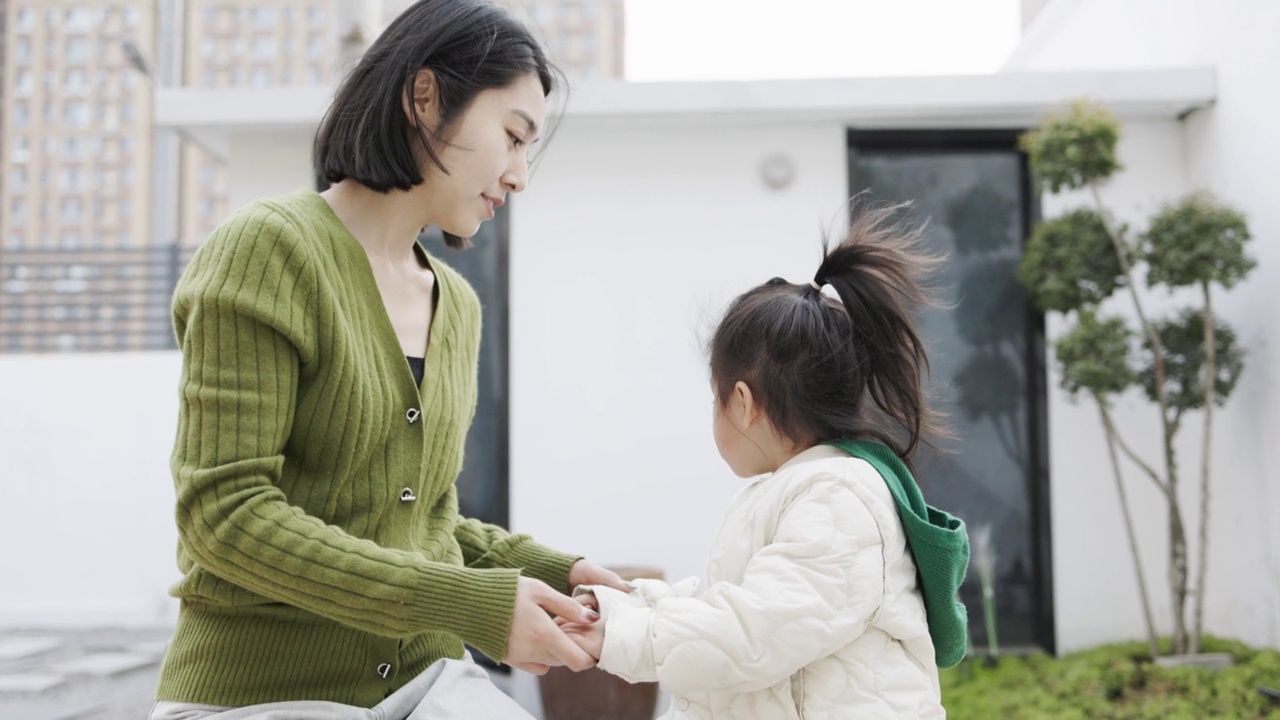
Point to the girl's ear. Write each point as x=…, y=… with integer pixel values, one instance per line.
x=423, y=104
x=746, y=410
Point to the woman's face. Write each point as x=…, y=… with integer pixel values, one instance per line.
x=487, y=154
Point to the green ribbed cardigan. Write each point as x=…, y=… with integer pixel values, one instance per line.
x=319, y=537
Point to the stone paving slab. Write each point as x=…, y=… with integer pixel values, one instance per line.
x=106, y=664
x=21, y=648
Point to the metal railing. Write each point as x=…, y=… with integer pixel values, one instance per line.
x=75, y=300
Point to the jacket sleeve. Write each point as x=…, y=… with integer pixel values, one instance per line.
x=246, y=322
x=812, y=590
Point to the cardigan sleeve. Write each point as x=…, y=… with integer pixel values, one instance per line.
x=821, y=579
x=489, y=546
x=245, y=319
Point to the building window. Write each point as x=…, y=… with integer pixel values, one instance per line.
x=18, y=212
x=315, y=47
x=22, y=51
x=264, y=17
x=72, y=210
x=126, y=146
x=21, y=150
x=76, y=113
x=126, y=208
x=23, y=85
x=70, y=182
x=260, y=78
x=18, y=179
x=211, y=16
x=315, y=16
x=77, y=50
x=79, y=20
x=127, y=111
x=21, y=114
x=75, y=82
x=70, y=239
x=26, y=20
x=73, y=148
x=132, y=17
x=209, y=78
x=237, y=46
x=51, y=17
x=264, y=47
x=208, y=47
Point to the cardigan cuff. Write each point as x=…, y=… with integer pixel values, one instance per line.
x=478, y=609
x=541, y=563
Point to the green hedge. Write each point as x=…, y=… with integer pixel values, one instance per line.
x=1113, y=682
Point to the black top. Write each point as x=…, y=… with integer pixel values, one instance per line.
x=418, y=367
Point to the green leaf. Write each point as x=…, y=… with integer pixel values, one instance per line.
x=1184, y=358
x=1073, y=150
x=1094, y=356
x=1195, y=241
x=1070, y=263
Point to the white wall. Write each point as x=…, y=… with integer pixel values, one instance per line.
x=1230, y=149
x=270, y=163
x=633, y=236
x=86, y=524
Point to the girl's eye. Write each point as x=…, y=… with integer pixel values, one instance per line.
x=515, y=140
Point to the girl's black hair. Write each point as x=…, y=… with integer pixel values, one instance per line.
x=830, y=370
x=469, y=45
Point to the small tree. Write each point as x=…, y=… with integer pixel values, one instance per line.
x=1186, y=362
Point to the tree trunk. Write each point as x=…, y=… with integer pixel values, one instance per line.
x=1110, y=429
x=1210, y=378
x=1177, y=532
x=1177, y=555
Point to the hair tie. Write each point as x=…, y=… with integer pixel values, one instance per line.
x=814, y=284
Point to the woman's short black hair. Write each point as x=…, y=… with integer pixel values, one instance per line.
x=469, y=45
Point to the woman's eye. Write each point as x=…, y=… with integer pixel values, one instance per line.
x=515, y=140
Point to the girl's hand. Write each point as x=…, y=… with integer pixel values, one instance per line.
x=588, y=637
x=585, y=572
x=535, y=642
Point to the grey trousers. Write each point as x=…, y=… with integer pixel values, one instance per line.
x=448, y=690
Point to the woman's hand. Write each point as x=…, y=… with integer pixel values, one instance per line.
x=585, y=572
x=535, y=643
x=588, y=637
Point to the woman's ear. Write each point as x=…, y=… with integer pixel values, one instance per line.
x=424, y=104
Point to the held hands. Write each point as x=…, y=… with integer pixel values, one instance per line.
x=535, y=642
x=588, y=636
x=585, y=572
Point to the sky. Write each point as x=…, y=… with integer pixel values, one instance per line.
x=773, y=39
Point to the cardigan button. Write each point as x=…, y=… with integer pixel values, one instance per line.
x=406, y=495
x=412, y=415
x=384, y=670
x=682, y=703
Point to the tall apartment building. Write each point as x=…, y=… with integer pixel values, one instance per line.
x=259, y=44
x=584, y=37
x=92, y=231
x=76, y=164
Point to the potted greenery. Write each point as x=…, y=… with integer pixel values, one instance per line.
x=1188, y=361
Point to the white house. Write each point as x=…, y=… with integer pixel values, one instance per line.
x=655, y=204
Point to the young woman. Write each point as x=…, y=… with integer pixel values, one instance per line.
x=329, y=378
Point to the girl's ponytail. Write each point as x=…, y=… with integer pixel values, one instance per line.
x=834, y=370
x=876, y=270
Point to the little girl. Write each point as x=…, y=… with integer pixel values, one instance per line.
x=830, y=589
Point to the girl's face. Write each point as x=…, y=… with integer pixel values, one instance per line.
x=487, y=155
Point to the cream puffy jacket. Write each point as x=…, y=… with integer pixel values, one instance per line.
x=809, y=609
